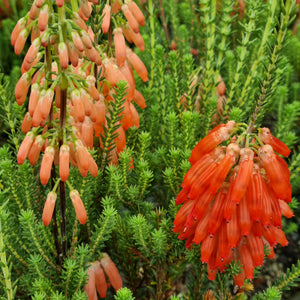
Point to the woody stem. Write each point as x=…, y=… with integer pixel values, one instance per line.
x=62, y=193
x=53, y=174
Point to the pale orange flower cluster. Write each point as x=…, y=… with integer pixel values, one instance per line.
x=71, y=58
x=234, y=197
x=87, y=105
x=98, y=273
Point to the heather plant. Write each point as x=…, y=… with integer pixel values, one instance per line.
x=149, y=149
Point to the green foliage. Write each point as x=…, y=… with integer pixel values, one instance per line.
x=131, y=204
x=124, y=294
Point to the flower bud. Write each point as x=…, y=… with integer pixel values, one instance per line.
x=49, y=208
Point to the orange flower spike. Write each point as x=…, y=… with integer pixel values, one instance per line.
x=25, y=147
x=120, y=46
x=201, y=229
x=21, y=24
x=183, y=212
x=35, y=150
x=49, y=208
x=27, y=123
x=224, y=167
x=247, y=261
x=130, y=18
x=280, y=237
x=255, y=195
x=233, y=231
x=208, y=143
x=139, y=99
x=285, y=209
x=47, y=103
x=64, y=165
x=100, y=280
x=90, y=287
x=78, y=206
x=46, y=165
x=22, y=88
x=43, y=18
x=256, y=247
x=244, y=174
x=217, y=210
x=106, y=18
x=137, y=13
x=63, y=55
x=281, y=186
x=111, y=272
x=265, y=136
x=244, y=219
x=137, y=64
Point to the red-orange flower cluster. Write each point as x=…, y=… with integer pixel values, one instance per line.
x=234, y=197
x=97, y=272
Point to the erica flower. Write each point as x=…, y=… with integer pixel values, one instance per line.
x=97, y=274
x=233, y=199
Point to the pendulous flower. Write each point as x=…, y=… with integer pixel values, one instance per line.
x=234, y=196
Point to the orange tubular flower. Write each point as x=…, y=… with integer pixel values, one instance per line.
x=137, y=13
x=111, y=271
x=97, y=274
x=106, y=18
x=25, y=147
x=78, y=206
x=233, y=202
x=49, y=208
x=130, y=18
x=120, y=46
x=64, y=157
x=46, y=165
